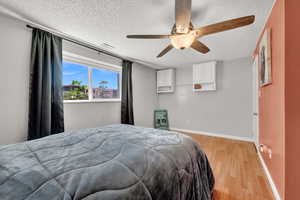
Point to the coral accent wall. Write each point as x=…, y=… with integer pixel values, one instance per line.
x=280, y=101
x=271, y=102
x=292, y=99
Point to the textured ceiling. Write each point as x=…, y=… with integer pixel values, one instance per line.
x=109, y=21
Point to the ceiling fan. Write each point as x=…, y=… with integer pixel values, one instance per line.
x=184, y=35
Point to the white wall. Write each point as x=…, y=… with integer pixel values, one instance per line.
x=225, y=111
x=88, y=115
x=15, y=42
x=144, y=94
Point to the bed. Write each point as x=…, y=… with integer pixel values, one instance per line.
x=113, y=162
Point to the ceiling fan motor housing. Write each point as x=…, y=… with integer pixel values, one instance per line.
x=181, y=30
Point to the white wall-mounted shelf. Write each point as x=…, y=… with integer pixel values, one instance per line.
x=204, y=76
x=165, y=81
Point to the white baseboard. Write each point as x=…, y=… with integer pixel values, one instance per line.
x=214, y=134
x=269, y=177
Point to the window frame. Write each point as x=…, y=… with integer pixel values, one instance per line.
x=93, y=64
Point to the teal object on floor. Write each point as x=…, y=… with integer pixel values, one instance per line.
x=161, y=119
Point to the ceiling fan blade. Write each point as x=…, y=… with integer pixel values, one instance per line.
x=224, y=26
x=183, y=15
x=199, y=46
x=148, y=36
x=166, y=50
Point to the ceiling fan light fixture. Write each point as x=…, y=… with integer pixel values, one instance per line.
x=182, y=41
x=183, y=34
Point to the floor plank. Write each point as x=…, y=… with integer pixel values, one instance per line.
x=237, y=170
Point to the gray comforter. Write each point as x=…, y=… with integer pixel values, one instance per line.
x=113, y=162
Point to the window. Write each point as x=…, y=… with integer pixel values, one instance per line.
x=105, y=84
x=75, y=81
x=87, y=80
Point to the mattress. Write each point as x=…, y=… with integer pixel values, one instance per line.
x=112, y=162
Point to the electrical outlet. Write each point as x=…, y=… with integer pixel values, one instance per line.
x=270, y=153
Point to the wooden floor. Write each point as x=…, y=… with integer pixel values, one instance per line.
x=237, y=170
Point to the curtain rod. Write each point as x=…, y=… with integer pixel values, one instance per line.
x=81, y=43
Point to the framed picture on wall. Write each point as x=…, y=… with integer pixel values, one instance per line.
x=265, y=59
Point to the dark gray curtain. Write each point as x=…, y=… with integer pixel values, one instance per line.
x=46, y=114
x=127, y=104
